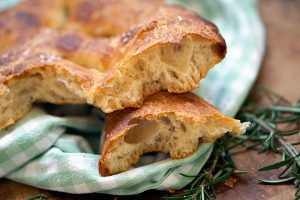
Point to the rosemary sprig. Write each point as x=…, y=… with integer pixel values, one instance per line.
x=218, y=169
x=265, y=134
x=268, y=119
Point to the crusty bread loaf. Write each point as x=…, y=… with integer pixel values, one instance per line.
x=170, y=123
x=166, y=48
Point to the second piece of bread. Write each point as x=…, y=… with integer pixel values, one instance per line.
x=170, y=123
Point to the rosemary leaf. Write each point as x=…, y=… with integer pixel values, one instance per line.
x=276, y=181
x=224, y=177
x=283, y=173
x=38, y=197
x=285, y=109
x=295, y=143
x=276, y=165
x=264, y=135
x=296, y=175
x=242, y=171
x=289, y=133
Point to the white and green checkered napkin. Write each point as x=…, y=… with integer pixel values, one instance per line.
x=37, y=150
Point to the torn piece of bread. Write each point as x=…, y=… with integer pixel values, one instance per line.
x=170, y=123
x=170, y=49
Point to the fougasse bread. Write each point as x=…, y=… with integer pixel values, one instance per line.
x=171, y=123
x=110, y=54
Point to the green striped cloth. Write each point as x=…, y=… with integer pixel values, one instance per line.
x=41, y=151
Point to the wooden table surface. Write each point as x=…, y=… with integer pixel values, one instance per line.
x=280, y=73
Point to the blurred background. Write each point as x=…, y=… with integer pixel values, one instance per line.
x=281, y=65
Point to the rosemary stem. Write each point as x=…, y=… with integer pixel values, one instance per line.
x=283, y=144
x=288, y=149
x=260, y=122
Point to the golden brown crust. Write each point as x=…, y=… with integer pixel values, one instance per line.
x=103, y=18
x=187, y=106
x=110, y=17
x=27, y=19
x=81, y=43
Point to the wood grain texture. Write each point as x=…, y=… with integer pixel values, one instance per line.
x=280, y=72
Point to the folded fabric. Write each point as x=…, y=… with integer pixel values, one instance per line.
x=36, y=133
x=37, y=151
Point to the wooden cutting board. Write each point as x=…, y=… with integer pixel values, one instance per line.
x=280, y=73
